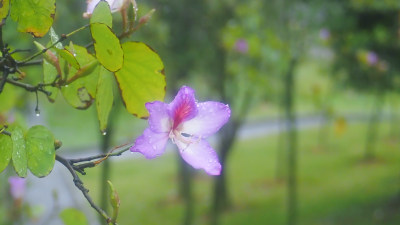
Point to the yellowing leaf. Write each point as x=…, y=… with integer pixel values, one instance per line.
x=81, y=92
x=107, y=46
x=4, y=8
x=33, y=16
x=102, y=14
x=104, y=97
x=141, y=79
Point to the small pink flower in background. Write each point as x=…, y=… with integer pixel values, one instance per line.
x=187, y=123
x=17, y=187
x=324, y=34
x=242, y=46
x=372, y=58
x=115, y=6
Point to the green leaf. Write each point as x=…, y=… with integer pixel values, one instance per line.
x=19, y=156
x=8, y=98
x=6, y=148
x=141, y=79
x=69, y=57
x=49, y=75
x=40, y=150
x=104, y=97
x=33, y=16
x=54, y=38
x=115, y=202
x=4, y=8
x=107, y=46
x=81, y=92
x=72, y=216
x=102, y=14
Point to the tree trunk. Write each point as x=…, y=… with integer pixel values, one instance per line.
x=105, y=145
x=280, y=173
x=373, y=125
x=185, y=188
x=221, y=200
x=291, y=143
x=105, y=172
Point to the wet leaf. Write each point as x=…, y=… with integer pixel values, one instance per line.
x=141, y=79
x=102, y=14
x=19, y=156
x=33, y=16
x=4, y=8
x=6, y=148
x=81, y=92
x=40, y=150
x=107, y=46
x=104, y=97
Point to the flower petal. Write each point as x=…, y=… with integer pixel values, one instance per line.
x=210, y=118
x=200, y=155
x=150, y=144
x=183, y=107
x=91, y=4
x=159, y=120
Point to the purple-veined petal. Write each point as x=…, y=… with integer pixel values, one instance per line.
x=159, y=120
x=210, y=118
x=200, y=155
x=150, y=144
x=183, y=107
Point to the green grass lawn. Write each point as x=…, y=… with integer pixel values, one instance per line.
x=335, y=185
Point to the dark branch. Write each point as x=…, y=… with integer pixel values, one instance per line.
x=79, y=184
x=27, y=87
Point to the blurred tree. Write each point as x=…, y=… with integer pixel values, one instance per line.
x=367, y=47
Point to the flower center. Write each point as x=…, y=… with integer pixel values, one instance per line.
x=185, y=138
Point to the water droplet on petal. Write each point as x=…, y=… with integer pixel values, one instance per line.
x=154, y=147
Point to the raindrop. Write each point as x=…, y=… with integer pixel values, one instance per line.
x=104, y=133
x=74, y=54
x=37, y=113
x=66, y=85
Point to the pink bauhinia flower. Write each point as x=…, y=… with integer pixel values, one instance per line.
x=17, y=187
x=187, y=123
x=115, y=5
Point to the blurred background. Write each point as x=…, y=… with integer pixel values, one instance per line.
x=314, y=134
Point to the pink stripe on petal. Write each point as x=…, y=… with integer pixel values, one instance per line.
x=183, y=107
x=200, y=155
x=159, y=120
x=150, y=144
x=210, y=118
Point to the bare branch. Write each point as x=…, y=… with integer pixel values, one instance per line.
x=79, y=184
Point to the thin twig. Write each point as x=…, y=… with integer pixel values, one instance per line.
x=79, y=184
x=27, y=87
x=3, y=131
x=114, y=152
x=62, y=38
